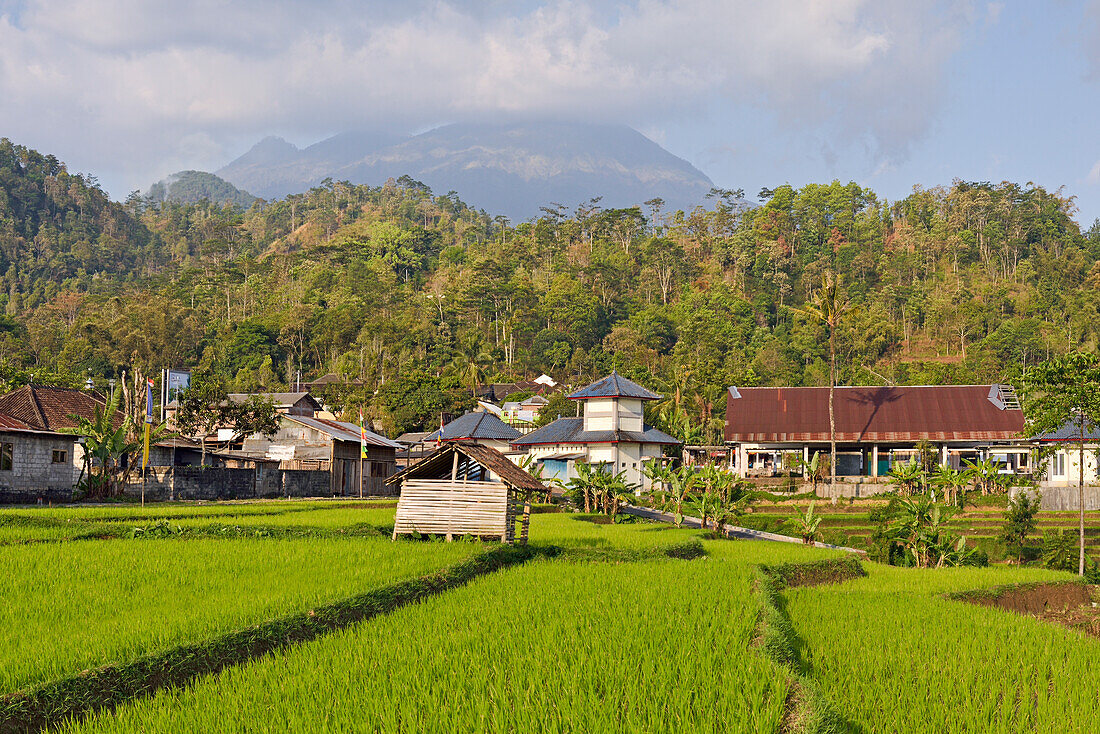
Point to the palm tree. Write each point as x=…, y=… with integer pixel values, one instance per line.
x=831, y=307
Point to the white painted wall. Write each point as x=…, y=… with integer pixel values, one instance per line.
x=1063, y=468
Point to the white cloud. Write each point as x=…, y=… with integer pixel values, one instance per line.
x=1093, y=176
x=152, y=85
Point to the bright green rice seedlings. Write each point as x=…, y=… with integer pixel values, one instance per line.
x=895, y=656
x=77, y=605
x=655, y=646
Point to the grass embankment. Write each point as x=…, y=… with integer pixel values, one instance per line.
x=853, y=524
x=289, y=519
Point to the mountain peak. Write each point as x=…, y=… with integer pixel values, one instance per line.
x=506, y=168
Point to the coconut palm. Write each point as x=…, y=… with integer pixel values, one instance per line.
x=830, y=306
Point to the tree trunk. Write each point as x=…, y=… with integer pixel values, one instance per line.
x=832, y=415
x=1081, y=502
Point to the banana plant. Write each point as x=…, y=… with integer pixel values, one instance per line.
x=952, y=481
x=675, y=484
x=907, y=475
x=807, y=523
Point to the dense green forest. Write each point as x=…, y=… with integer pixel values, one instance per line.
x=420, y=298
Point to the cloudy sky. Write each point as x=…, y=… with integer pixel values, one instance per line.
x=889, y=93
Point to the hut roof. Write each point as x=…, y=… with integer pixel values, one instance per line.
x=485, y=426
x=438, y=464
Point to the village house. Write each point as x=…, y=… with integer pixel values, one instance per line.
x=522, y=414
x=771, y=428
x=612, y=432
x=1062, y=466
x=52, y=409
x=484, y=429
x=35, y=465
x=320, y=444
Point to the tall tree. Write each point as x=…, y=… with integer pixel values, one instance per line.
x=831, y=307
x=1066, y=391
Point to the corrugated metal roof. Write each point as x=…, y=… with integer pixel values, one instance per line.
x=1067, y=433
x=439, y=463
x=571, y=430
x=343, y=431
x=869, y=414
x=614, y=386
x=485, y=426
x=281, y=399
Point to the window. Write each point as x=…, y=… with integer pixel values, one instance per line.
x=6, y=453
x=59, y=456
x=1058, y=465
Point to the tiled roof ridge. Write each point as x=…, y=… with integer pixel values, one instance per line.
x=37, y=406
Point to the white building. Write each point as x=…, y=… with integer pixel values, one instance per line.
x=612, y=432
x=1062, y=467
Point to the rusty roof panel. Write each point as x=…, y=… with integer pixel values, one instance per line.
x=870, y=414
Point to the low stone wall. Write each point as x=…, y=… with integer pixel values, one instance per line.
x=1063, y=499
x=219, y=483
x=48, y=496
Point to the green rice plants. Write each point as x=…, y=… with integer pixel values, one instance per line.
x=896, y=656
x=547, y=646
x=76, y=605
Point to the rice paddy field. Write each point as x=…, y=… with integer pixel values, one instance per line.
x=602, y=627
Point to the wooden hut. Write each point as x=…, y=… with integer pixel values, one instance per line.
x=465, y=489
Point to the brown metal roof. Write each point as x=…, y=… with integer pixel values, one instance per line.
x=50, y=408
x=869, y=414
x=437, y=465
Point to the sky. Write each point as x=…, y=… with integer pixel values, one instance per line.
x=887, y=93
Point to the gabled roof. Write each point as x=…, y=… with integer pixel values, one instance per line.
x=870, y=414
x=614, y=386
x=45, y=408
x=10, y=424
x=342, y=431
x=1068, y=433
x=439, y=464
x=474, y=426
x=281, y=399
x=571, y=431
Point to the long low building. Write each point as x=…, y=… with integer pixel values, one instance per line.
x=876, y=427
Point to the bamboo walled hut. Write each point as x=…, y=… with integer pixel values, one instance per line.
x=464, y=489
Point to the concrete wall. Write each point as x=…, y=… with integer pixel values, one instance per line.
x=1063, y=499
x=219, y=483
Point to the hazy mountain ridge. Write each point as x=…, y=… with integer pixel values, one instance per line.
x=506, y=169
x=190, y=187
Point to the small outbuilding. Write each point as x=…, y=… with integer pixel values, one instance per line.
x=464, y=489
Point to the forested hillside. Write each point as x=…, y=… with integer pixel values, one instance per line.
x=420, y=297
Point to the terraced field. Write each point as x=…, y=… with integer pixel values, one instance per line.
x=306, y=617
x=852, y=526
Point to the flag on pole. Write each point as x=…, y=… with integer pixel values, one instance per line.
x=148, y=421
x=439, y=436
x=362, y=436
